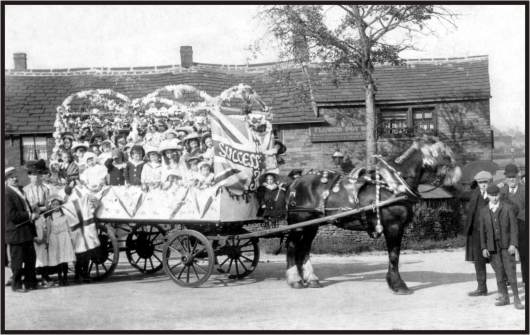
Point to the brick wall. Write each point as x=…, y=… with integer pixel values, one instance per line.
x=465, y=126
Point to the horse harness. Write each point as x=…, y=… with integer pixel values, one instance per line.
x=331, y=185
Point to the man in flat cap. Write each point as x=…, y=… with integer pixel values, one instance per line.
x=477, y=200
x=499, y=240
x=20, y=231
x=513, y=191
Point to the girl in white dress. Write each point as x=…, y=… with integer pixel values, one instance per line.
x=60, y=248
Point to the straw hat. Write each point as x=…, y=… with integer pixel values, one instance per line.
x=171, y=144
x=78, y=145
x=191, y=136
x=9, y=171
x=150, y=149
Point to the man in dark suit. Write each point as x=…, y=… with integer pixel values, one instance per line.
x=19, y=232
x=477, y=200
x=498, y=240
x=514, y=192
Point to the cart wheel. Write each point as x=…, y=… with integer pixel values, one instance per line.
x=144, y=247
x=104, y=259
x=188, y=258
x=237, y=258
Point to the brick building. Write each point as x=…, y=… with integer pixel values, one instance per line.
x=445, y=97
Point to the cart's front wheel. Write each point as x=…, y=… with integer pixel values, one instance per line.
x=237, y=258
x=188, y=258
x=144, y=247
x=104, y=259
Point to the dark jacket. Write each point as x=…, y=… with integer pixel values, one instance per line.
x=517, y=199
x=272, y=202
x=18, y=227
x=507, y=227
x=133, y=173
x=476, y=202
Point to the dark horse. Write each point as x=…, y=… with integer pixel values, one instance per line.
x=315, y=195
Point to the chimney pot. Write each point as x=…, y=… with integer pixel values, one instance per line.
x=186, y=56
x=20, y=61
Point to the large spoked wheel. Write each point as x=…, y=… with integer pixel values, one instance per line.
x=237, y=258
x=144, y=247
x=188, y=258
x=104, y=259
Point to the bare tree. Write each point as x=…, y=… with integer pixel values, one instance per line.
x=351, y=38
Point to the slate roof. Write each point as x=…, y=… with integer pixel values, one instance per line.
x=31, y=97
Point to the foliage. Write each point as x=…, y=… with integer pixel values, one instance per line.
x=350, y=39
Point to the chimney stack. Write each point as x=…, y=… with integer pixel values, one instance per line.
x=186, y=56
x=20, y=61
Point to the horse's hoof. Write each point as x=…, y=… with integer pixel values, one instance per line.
x=296, y=284
x=403, y=291
x=314, y=284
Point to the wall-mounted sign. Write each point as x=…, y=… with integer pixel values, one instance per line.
x=337, y=134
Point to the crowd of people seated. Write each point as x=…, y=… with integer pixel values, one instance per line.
x=157, y=158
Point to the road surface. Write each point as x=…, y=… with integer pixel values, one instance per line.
x=355, y=296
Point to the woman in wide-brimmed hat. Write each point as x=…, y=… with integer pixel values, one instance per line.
x=79, y=150
x=170, y=150
x=152, y=171
x=192, y=143
x=207, y=147
x=67, y=139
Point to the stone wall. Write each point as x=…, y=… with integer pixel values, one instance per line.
x=465, y=126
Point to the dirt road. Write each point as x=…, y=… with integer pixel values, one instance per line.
x=354, y=297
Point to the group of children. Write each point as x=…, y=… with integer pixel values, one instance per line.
x=56, y=243
x=163, y=159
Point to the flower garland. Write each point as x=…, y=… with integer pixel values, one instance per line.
x=101, y=108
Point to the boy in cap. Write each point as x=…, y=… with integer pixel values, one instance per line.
x=477, y=200
x=514, y=192
x=498, y=240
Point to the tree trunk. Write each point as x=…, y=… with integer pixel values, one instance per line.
x=371, y=147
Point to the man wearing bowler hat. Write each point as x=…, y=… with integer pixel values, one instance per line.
x=514, y=192
x=20, y=231
x=498, y=240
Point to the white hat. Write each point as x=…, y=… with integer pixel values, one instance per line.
x=149, y=149
x=89, y=155
x=77, y=145
x=204, y=163
x=171, y=144
x=192, y=136
x=337, y=154
x=9, y=171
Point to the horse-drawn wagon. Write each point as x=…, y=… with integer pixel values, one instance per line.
x=191, y=230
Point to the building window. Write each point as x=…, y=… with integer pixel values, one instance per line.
x=393, y=122
x=422, y=121
x=33, y=148
x=406, y=122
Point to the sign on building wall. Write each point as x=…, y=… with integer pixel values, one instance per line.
x=337, y=134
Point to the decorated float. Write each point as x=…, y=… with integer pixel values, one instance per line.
x=135, y=219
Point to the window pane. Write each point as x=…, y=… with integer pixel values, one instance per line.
x=422, y=121
x=393, y=122
x=34, y=148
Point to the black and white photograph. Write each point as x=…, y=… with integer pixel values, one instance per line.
x=282, y=167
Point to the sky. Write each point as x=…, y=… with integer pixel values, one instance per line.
x=63, y=36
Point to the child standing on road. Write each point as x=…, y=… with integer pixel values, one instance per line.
x=60, y=249
x=41, y=250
